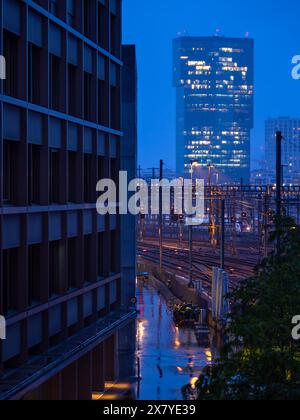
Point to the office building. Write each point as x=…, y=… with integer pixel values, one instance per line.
x=290, y=128
x=213, y=77
x=60, y=262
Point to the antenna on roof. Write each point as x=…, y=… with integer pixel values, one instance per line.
x=218, y=32
x=183, y=33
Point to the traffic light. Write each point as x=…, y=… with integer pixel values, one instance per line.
x=244, y=215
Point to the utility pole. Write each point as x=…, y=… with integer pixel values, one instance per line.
x=180, y=234
x=234, y=225
x=211, y=210
x=153, y=170
x=242, y=195
x=191, y=282
x=278, y=183
x=266, y=216
x=160, y=232
x=223, y=234
x=218, y=218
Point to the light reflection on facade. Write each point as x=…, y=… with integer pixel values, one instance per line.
x=213, y=77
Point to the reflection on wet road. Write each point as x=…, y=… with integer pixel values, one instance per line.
x=170, y=358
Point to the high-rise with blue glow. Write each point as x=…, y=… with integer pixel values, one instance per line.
x=214, y=81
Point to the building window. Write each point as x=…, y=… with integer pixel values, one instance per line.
x=34, y=162
x=53, y=7
x=103, y=103
x=34, y=73
x=103, y=26
x=56, y=266
x=72, y=175
x=72, y=90
x=34, y=274
x=89, y=185
x=101, y=167
x=87, y=96
x=54, y=82
x=11, y=54
x=87, y=17
x=54, y=175
x=114, y=260
x=114, y=171
x=114, y=35
x=72, y=263
x=88, y=259
x=101, y=257
x=115, y=107
x=10, y=280
x=9, y=171
x=71, y=12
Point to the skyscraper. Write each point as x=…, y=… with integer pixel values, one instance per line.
x=213, y=77
x=61, y=286
x=290, y=128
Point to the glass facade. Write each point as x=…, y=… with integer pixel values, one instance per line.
x=214, y=79
x=290, y=128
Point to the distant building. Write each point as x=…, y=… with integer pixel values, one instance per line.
x=290, y=128
x=258, y=177
x=61, y=286
x=213, y=77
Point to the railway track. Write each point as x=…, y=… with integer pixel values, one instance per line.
x=205, y=258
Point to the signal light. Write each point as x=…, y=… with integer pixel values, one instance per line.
x=174, y=217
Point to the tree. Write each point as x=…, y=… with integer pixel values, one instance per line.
x=261, y=361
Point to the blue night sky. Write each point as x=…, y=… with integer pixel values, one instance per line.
x=152, y=24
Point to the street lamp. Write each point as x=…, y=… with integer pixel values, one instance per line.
x=192, y=164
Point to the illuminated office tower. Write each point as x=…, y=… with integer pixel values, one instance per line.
x=213, y=77
x=290, y=128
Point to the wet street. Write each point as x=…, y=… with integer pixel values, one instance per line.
x=170, y=358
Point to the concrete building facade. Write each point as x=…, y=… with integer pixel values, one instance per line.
x=61, y=282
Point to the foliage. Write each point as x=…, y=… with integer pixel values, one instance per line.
x=261, y=361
